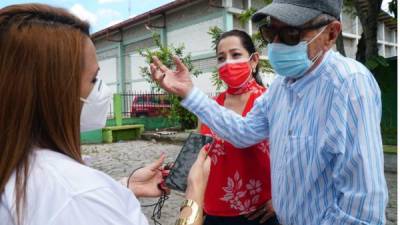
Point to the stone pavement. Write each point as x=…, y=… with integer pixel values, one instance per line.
x=391, y=180
x=119, y=159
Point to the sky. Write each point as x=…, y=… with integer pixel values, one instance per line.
x=100, y=13
x=104, y=13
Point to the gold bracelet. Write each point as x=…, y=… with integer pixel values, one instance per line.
x=194, y=214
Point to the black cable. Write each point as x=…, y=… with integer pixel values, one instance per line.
x=157, y=210
x=130, y=175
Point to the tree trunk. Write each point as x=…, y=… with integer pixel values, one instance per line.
x=369, y=21
x=360, y=56
x=340, y=44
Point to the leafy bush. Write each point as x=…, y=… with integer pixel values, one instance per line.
x=165, y=53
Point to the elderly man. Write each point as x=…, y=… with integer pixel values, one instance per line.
x=321, y=116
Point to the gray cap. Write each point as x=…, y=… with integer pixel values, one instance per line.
x=298, y=12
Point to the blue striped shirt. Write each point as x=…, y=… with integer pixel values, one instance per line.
x=325, y=142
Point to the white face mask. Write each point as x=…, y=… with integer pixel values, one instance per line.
x=95, y=107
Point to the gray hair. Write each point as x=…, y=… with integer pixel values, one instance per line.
x=323, y=18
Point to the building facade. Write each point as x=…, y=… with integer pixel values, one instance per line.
x=187, y=22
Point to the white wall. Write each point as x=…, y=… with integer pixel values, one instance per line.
x=204, y=83
x=194, y=37
x=138, y=82
x=108, y=73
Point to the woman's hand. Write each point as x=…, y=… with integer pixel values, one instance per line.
x=198, y=177
x=265, y=212
x=145, y=182
x=177, y=82
x=197, y=183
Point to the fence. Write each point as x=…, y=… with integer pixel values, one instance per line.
x=143, y=104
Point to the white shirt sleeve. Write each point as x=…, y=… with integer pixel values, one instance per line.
x=101, y=207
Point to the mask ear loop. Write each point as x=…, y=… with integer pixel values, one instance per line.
x=253, y=70
x=98, y=84
x=320, y=53
x=316, y=36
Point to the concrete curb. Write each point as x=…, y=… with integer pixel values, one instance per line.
x=171, y=138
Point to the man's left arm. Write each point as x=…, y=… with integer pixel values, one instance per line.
x=355, y=140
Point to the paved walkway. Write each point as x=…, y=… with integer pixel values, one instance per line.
x=391, y=179
x=119, y=159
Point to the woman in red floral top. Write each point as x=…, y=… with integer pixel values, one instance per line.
x=239, y=185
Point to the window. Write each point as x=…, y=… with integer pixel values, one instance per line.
x=380, y=31
x=388, y=35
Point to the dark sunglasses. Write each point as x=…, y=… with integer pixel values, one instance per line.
x=287, y=35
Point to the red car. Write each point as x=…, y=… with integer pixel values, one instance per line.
x=150, y=105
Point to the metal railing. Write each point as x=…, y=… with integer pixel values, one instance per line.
x=148, y=104
x=145, y=104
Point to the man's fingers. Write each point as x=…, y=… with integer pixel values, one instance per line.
x=155, y=73
x=159, y=65
x=266, y=217
x=249, y=214
x=179, y=64
x=256, y=214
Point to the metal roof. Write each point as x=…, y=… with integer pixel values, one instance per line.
x=141, y=17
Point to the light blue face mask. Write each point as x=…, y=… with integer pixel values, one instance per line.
x=292, y=61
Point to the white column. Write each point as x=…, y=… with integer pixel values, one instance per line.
x=355, y=41
x=384, y=40
x=357, y=30
x=250, y=23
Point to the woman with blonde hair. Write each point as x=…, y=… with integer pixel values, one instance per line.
x=49, y=93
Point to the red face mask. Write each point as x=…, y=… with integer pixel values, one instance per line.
x=235, y=73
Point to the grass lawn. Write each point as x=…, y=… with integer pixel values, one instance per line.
x=390, y=149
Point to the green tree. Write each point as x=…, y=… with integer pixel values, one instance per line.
x=367, y=50
x=165, y=53
x=393, y=8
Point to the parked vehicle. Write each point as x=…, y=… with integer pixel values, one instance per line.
x=150, y=105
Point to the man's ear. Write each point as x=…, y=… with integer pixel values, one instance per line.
x=334, y=30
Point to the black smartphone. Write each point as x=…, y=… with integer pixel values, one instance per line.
x=177, y=178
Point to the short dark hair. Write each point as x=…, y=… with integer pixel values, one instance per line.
x=247, y=43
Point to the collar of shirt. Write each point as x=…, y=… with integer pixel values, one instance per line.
x=299, y=86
